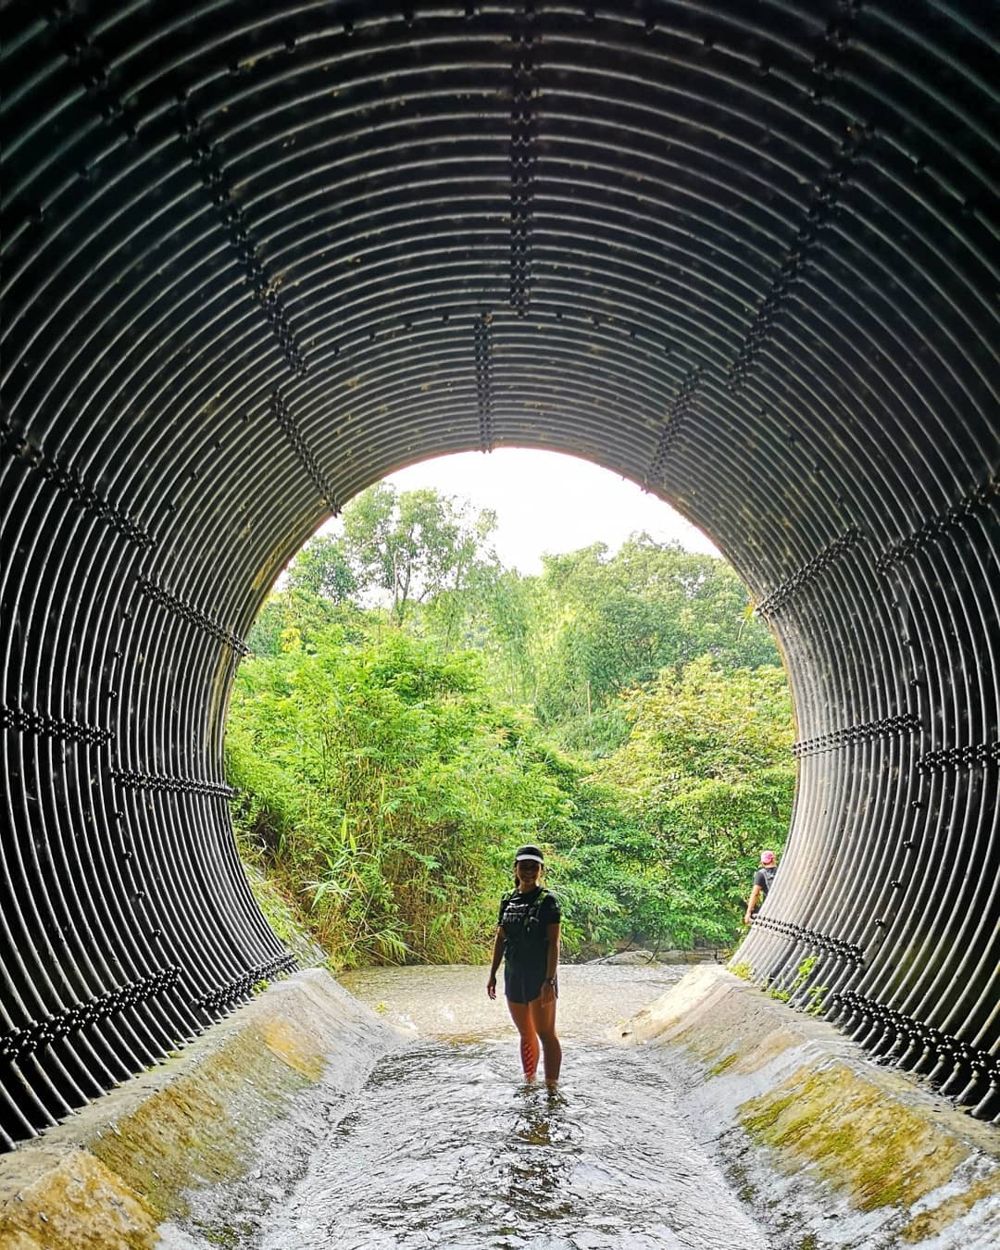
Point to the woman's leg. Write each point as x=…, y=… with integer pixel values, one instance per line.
x=520, y=1013
x=543, y=1019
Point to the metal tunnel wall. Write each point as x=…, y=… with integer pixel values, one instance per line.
x=258, y=255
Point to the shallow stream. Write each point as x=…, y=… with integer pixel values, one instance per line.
x=446, y=1146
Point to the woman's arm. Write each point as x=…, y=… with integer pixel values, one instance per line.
x=551, y=962
x=498, y=941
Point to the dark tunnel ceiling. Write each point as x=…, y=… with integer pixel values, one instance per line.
x=256, y=256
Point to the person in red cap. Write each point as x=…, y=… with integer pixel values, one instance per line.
x=527, y=940
x=763, y=879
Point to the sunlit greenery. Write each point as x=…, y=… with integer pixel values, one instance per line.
x=413, y=711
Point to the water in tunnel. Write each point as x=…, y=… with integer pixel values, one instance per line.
x=741, y=254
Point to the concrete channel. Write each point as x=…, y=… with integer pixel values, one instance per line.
x=812, y=1144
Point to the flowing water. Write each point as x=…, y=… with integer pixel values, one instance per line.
x=446, y=1146
x=424, y=1134
x=444, y=1149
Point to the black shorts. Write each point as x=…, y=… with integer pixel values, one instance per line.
x=523, y=985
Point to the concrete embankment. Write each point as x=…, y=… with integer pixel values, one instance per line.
x=126, y=1171
x=822, y=1139
x=828, y=1150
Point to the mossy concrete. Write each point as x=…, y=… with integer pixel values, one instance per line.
x=832, y=1150
x=856, y=1155
x=876, y=1149
x=110, y=1176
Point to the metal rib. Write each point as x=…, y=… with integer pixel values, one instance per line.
x=746, y=256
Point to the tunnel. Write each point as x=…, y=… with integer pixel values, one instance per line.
x=257, y=256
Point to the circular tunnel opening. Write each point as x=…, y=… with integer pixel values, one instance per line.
x=487, y=652
x=744, y=257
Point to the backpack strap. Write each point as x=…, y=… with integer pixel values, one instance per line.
x=536, y=907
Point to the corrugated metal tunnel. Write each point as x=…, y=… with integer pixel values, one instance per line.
x=257, y=256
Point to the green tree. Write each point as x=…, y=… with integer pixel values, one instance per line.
x=415, y=545
x=322, y=568
x=307, y=614
x=707, y=771
x=383, y=784
x=608, y=623
x=415, y=710
x=502, y=619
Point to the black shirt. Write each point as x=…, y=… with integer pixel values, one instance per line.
x=525, y=920
x=764, y=877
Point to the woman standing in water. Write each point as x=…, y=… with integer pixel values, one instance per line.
x=527, y=940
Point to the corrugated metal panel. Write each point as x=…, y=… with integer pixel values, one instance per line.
x=255, y=257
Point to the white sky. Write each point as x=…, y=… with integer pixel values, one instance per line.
x=550, y=503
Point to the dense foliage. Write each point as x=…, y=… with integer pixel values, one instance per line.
x=413, y=711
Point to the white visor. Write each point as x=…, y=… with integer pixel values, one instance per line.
x=535, y=859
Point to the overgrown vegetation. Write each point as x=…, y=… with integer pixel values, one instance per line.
x=413, y=711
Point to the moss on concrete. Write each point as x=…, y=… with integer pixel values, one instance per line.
x=706, y=1044
x=293, y=1047
x=947, y=1213
x=108, y=1178
x=756, y=1053
x=80, y=1205
x=715, y=1048
x=689, y=1016
x=718, y=1068
x=201, y=1127
x=874, y=1149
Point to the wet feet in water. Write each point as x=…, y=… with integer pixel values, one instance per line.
x=600, y=1161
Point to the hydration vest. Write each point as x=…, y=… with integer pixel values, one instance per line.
x=526, y=933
